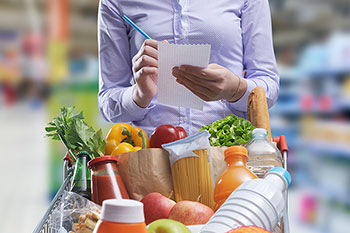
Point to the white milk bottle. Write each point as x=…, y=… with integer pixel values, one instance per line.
x=258, y=202
x=262, y=153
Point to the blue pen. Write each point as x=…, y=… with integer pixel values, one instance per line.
x=136, y=27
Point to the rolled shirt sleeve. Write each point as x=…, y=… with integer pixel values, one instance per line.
x=258, y=55
x=115, y=69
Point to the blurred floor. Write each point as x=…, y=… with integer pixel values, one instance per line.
x=24, y=172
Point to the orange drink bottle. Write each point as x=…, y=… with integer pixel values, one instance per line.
x=235, y=174
x=122, y=216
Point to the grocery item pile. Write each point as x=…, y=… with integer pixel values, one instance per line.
x=165, y=182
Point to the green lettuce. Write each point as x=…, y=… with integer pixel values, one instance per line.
x=229, y=131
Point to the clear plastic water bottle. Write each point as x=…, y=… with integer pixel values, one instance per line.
x=258, y=202
x=262, y=153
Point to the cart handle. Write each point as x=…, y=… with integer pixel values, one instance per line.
x=283, y=147
x=281, y=143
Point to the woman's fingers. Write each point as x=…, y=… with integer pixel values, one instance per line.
x=145, y=61
x=199, y=94
x=208, y=87
x=152, y=43
x=178, y=73
x=149, y=48
x=192, y=85
x=206, y=73
x=214, y=82
x=148, y=70
x=144, y=71
x=150, y=51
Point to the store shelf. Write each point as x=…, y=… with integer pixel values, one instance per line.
x=292, y=108
x=343, y=104
x=329, y=194
x=326, y=148
x=325, y=73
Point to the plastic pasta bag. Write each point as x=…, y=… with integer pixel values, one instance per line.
x=191, y=168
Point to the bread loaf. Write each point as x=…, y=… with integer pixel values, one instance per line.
x=258, y=113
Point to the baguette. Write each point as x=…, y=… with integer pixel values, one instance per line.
x=258, y=113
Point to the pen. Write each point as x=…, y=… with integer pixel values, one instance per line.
x=136, y=27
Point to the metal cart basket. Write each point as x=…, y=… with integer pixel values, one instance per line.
x=43, y=227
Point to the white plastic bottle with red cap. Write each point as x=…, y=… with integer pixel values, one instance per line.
x=258, y=202
x=121, y=215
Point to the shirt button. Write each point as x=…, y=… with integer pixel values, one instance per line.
x=181, y=37
x=185, y=119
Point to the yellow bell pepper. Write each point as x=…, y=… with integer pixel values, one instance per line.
x=125, y=133
x=124, y=147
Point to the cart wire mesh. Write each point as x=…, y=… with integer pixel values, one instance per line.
x=43, y=226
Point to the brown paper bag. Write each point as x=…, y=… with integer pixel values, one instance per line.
x=217, y=161
x=146, y=171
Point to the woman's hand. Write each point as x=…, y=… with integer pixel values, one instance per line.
x=145, y=70
x=214, y=82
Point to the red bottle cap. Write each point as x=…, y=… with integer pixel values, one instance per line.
x=106, y=158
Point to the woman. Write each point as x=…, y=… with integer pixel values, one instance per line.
x=239, y=32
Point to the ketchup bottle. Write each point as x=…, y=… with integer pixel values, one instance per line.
x=106, y=181
x=121, y=215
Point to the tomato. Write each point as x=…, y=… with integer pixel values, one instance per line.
x=166, y=133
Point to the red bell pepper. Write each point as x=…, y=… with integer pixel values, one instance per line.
x=165, y=134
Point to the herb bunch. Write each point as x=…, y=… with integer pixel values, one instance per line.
x=75, y=133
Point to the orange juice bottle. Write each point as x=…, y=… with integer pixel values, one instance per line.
x=235, y=174
x=122, y=216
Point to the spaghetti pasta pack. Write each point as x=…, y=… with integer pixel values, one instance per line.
x=191, y=168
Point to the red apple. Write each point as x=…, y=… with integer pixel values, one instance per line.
x=191, y=213
x=156, y=206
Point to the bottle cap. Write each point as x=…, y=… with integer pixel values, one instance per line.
x=260, y=131
x=236, y=150
x=106, y=158
x=122, y=211
x=283, y=172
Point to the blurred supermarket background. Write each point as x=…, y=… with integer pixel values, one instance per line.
x=48, y=59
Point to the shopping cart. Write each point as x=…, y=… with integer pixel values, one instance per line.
x=43, y=226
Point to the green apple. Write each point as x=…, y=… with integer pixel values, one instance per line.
x=167, y=226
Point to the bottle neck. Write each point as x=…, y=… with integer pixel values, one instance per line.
x=236, y=160
x=82, y=175
x=277, y=180
x=259, y=136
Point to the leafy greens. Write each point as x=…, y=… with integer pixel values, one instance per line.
x=229, y=131
x=75, y=133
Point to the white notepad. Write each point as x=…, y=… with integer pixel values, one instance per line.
x=170, y=55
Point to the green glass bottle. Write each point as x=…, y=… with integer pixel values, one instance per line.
x=81, y=182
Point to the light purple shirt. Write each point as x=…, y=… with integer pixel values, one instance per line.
x=239, y=32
